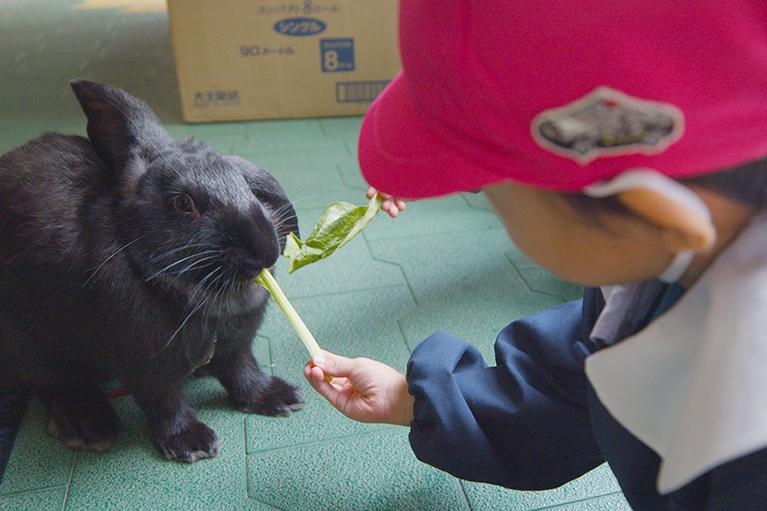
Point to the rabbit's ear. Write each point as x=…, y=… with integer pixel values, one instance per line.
x=120, y=126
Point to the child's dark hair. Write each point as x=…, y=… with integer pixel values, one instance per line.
x=746, y=184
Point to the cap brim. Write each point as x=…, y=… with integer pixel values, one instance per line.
x=400, y=155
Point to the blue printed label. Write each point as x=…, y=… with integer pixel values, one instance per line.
x=299, y=26
x=337, y=55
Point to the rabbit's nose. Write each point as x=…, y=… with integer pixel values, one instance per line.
x=266, y=257
x=261, y=243
x=248, y=262
x=248, y=265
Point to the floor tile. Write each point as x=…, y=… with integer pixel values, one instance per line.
x=367, y=324
x=40, y=500
x=433, y=217
x=542, y=281
x=310, y=178
x=354, y=324
x=477, y=200
x=132, y=475
x=37, y=460
x=290, y=135
x=222, y=137
x=519, y=260
x=599, y=481
x=345, y=128
x=317, y=421
x=433, y=263
x=614, y=502
x=463, y=285
x=370, y=472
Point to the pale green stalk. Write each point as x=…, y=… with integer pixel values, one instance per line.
x=266, y=279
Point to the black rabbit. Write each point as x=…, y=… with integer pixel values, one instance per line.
x=130, y=255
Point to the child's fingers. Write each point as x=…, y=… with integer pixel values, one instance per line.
x=324, y=388
x=308, y=372
x=340, y=383
x=313, y=374
x=390, y=205
x=335, y=365
x=372, y=192
x=390, y=208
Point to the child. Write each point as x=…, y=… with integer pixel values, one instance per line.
x=623, y=144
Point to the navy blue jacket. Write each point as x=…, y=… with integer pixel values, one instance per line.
x=533, y=421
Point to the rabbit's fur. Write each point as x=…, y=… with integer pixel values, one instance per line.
x=130, y=255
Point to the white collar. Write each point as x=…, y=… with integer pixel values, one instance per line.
x=693, y=384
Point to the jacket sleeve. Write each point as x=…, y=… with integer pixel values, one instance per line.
x=524, y=423
x=740, y=484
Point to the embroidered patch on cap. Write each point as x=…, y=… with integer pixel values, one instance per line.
x=607, y=122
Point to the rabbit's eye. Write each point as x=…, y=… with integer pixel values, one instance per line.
x=184, y=204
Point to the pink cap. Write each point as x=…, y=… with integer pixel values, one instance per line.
x=562, y=94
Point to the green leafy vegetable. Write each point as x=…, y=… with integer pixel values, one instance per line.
x=338, y=224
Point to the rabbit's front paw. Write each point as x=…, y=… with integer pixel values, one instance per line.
x=277, y=398
x=195, y=442
x=81, y=418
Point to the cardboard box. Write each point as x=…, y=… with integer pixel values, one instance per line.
x=267, y=59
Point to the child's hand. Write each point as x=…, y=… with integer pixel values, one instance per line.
x=391, y=205
x=362, y=389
